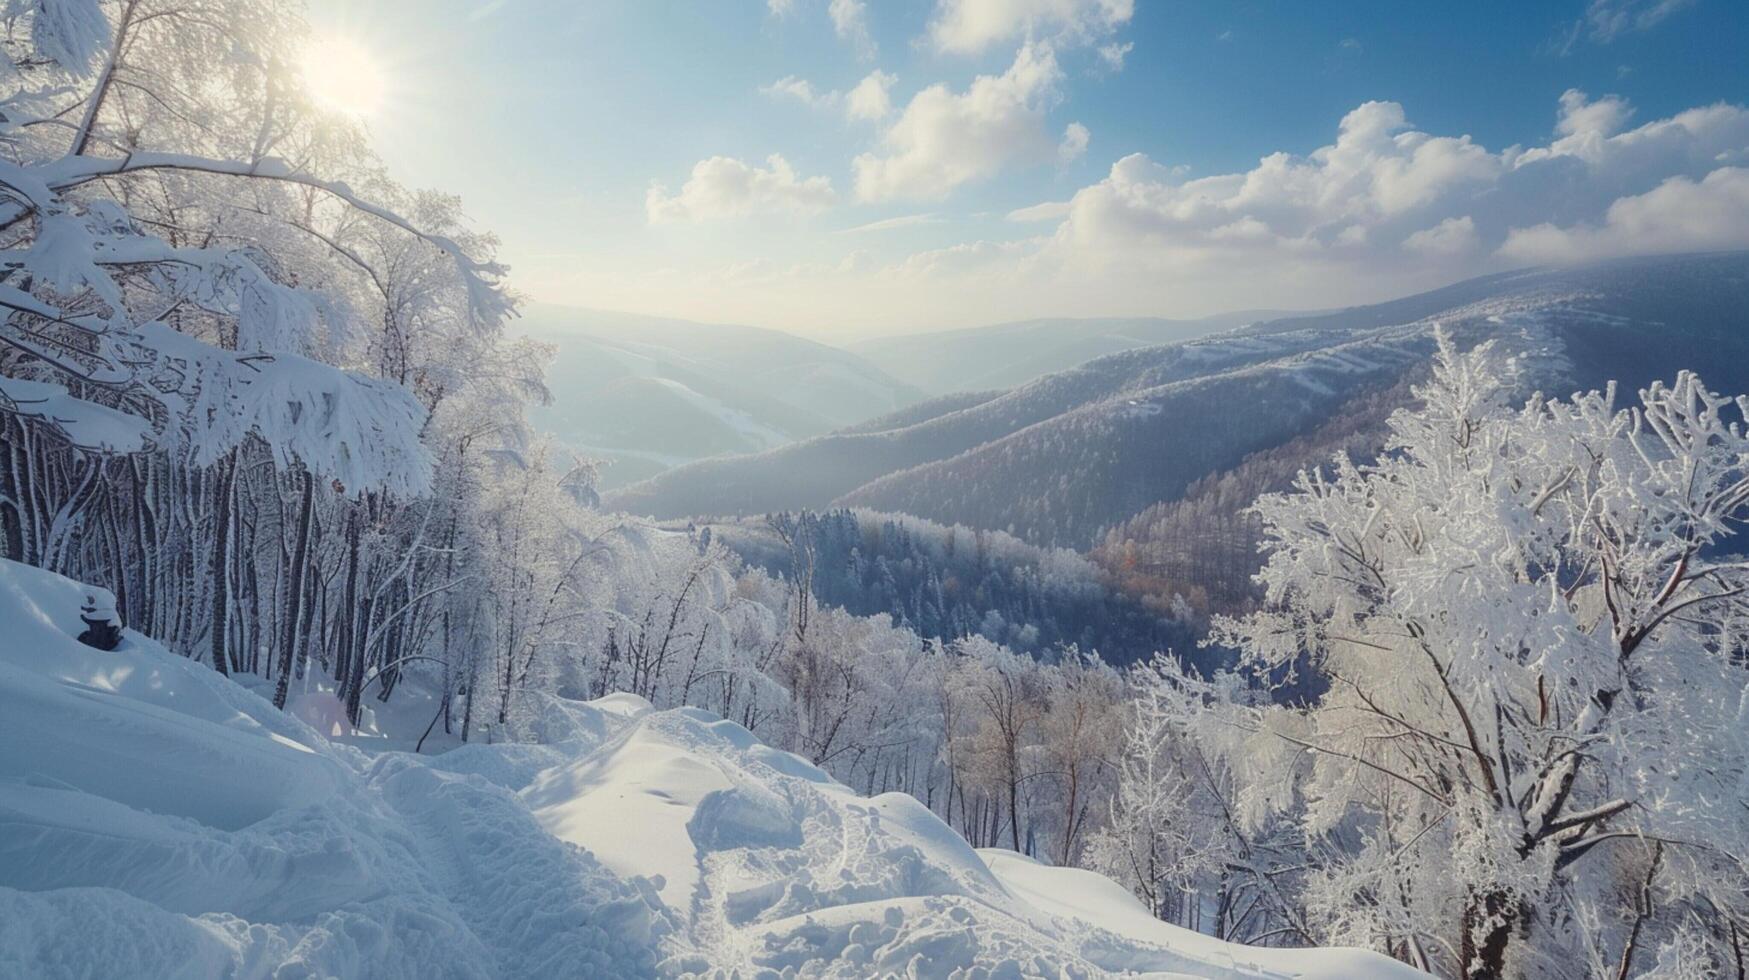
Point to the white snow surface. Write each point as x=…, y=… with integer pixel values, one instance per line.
x=157, y=819
x=86, y=424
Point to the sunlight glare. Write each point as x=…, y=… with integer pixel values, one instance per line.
x=341, y=75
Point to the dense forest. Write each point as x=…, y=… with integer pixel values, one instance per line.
x=950, y=582
x=1204, y=547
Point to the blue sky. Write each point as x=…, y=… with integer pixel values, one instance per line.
x=1138, y=124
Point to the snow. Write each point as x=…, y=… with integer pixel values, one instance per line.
x=359, y=431
x=766, y=863
x=632, y=804
x=157, y=819
x=1101, y=903
x=87, y=425
x=746, y=425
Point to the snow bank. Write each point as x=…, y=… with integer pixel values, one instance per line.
x=765, y=863
x=157, y=819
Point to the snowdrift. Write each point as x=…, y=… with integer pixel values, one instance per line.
x=158, y=820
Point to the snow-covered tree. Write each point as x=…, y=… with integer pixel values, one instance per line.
x=1528, y=756
x=1079, y=741
x=152, y=248
x=233, y=353
x=1174, y=834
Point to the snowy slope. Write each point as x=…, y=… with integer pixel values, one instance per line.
x=158, y=820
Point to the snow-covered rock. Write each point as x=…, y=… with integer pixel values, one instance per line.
x=157, y=819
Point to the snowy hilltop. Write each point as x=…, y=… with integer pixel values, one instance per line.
x=158, y=819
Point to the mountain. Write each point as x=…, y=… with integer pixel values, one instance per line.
x=1058, y=459
x=159, y=819
x=1006, y=355
x=647, y=393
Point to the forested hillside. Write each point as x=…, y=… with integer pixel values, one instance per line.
x=1057, y=461
x=947, y=582
x=813, y=473
x=1060, y=481
x=1204, y=546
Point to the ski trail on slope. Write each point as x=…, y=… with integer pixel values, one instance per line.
x=544, y=907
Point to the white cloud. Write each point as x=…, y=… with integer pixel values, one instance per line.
x=724, y=187
x=870, y=100
x=968, y=257
x=1605, y=117
x=1391, y=180
x=1451, y=237
x=1048, y=211
x=781, y=8
x=801, y=90
x=971, y=26
x=1387, y=209
x=1074, y=144
x=850, y=21
x=888, y=224
x=944, y=139
x=1112, y=55
x=1606, y=20
x=1679, y=215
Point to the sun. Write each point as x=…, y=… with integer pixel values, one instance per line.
x=340, y=74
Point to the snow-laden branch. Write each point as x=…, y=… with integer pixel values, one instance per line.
x=486, y=299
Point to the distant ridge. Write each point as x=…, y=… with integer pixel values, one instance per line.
x=1005, y=355
x=1055, y=460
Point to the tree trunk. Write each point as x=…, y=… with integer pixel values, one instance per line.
x=1489, y=922
x=295, y=591
x=221, y=563
x=13, y=536
x=144, y=615
x=346, y=632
